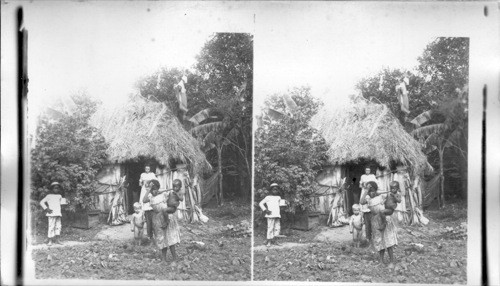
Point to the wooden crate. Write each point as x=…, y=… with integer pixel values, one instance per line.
x=86, y=219
x=306, y=221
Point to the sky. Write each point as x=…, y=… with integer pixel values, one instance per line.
x=331, y=47
x=104, y=48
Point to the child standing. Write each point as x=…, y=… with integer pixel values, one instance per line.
x=391, y=202
x=51, y=204
x=137, y=223
x=356, y=224
x=270, y=205
x=168, y=206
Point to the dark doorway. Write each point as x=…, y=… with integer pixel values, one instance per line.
x=353, y=175
x=133, y=170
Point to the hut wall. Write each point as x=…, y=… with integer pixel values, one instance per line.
x=383, y=179
x=332, y=176
x=165, y=177
x=329, y=181
x=108, y=179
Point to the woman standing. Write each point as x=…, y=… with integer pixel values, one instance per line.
x=144, y=182
x=383, y=237
x=165, y=238
x=363, y=184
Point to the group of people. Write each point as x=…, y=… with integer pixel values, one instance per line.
x=156, y=209
x=374, y=213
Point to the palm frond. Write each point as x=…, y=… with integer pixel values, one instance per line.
x=200, y=117
x=429, y=149
x=433, y=140
x=204, y=129
x=454, y=137
x=425, y=131
x=210, y=138
x=290, y=103
x=422, y=118
x=233, y=133
x=274, y=114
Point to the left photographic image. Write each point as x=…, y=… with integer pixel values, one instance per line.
x=140, y=140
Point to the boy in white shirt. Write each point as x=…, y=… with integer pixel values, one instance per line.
x=270, y=205
x=52, y=206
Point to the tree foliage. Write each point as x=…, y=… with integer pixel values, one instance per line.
x=288, y=151
x=438, y=96
x=225, y=84
x=219, y=89
x=70, y=151
x=384, y=91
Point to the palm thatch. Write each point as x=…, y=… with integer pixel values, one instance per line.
x=366, y=130
x=149, y=129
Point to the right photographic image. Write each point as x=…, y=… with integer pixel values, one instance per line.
x=360, y=148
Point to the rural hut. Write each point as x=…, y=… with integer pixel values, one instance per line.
x=359, y=134
x=146, y=132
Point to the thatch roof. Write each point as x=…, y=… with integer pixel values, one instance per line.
x=347, y=131
x=149, y=129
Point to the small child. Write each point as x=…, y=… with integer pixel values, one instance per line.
x=170, y=204
x=356, y=224
x=173, y=199
x=137, y=223
x=391, y=202
x=270, y=205
x=51, y=204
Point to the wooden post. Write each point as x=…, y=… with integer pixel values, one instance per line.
x=219, y=158
x=441, y=177
x=22, y=65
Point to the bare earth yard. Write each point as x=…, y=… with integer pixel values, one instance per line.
x=87, y=254
x=441, y=260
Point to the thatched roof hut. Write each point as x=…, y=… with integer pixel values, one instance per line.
x=365, y=130
x=142, y=128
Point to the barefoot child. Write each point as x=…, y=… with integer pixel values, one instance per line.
x=137, y=223
x=168, y=205
x=52, y=206
x=383, y=238
x=391, y=202
x=270, y=205
x=356, y=224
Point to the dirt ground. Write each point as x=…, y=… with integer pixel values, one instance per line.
x=95, y=254
x=436, y=253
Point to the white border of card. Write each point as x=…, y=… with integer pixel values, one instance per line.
x=477, y=20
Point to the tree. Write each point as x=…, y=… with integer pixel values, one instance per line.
x=219, y=89
x=212, y=136
x=438, y=101
x=70, y=151
x=443, y=135
x=160, y=87
x=444, y=65
x=287, y=150
x=225, y=85
x=382, y=88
